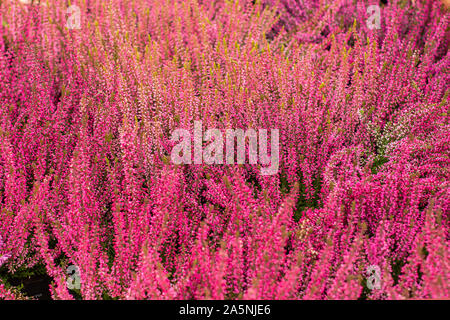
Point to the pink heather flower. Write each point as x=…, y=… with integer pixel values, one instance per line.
x=3, y=258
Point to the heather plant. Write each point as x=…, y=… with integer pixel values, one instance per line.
x=5, y=257
x=91, y=93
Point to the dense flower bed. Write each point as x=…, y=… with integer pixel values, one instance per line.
x=87, y=109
